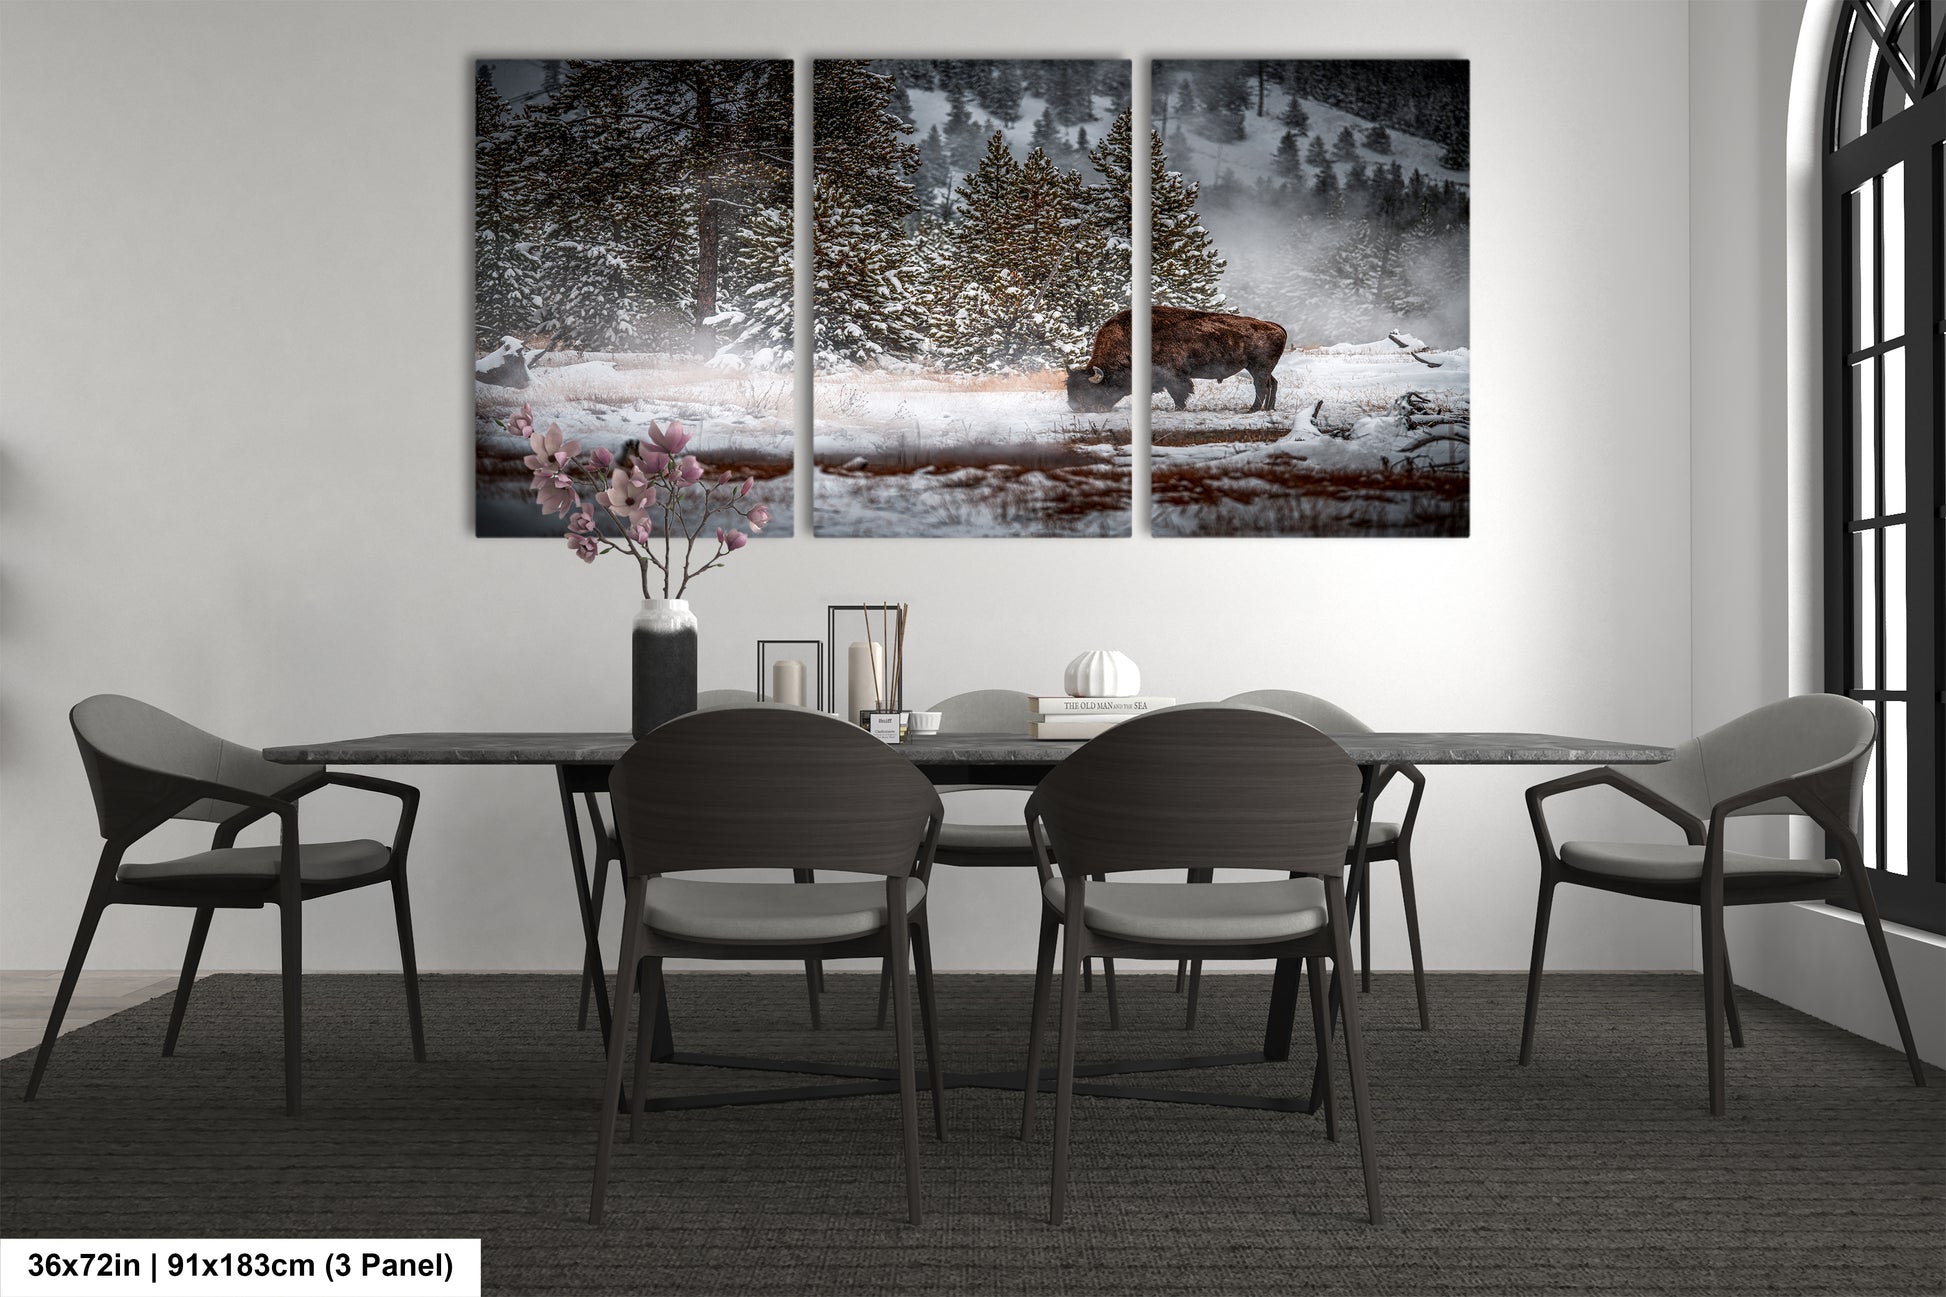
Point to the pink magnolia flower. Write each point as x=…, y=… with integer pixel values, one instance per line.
x=748, y=482
x=583, y=545
x=670, y=439
x=689, y=470
x=625, y=496
x=652, y=462
x=551, y=447
x=760, y=517
x=602, y=457
x=642, y=529
x=583, y=520
x=731, y=540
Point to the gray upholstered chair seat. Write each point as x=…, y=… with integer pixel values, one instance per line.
x=1199, y=912
x=317, y=862
x=983, y=837
x=1657, y=862
x=1382, y=833
x=780, y=913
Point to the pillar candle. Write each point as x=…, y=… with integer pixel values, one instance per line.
x=787, y=682
x=867, y=674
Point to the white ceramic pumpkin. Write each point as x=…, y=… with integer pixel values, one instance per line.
x=1103, y=673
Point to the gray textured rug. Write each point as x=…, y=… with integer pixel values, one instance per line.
x=1598, y=1169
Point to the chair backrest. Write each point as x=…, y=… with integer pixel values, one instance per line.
x=709, y=699
x=985, y=711
x=1773, y=742
x=771, y=787
x=1202, y=785
x=135, y=754
x=1325, y=717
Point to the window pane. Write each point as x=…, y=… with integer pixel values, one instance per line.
x=1865, y=643
x=1864, y=460
x=1893, y=738
x=1894, y=438
x=1893, y=217
x=1862, y=279
x=1895, y=594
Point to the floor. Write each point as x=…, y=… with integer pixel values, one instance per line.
x=1595, y=1170
x=27, y=997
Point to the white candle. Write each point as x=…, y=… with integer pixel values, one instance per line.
x=787, y=682
x=867, y=662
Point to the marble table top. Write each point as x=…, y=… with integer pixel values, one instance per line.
x=554, y=749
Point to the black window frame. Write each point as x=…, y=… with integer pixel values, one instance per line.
x=1906, y=49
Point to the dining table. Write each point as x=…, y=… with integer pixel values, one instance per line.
x=582, y=762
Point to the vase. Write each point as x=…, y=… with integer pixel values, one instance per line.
x=663, y=664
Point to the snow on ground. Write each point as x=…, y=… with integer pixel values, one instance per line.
x=740, y=419
x=1362, y=443
x=926, y=453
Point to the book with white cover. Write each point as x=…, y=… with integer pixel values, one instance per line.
x=1074, y=727
x=1062, y=705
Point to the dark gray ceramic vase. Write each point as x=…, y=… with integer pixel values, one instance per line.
x=663, y=664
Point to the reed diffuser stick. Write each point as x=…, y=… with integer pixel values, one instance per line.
x=900, y=677
x=878, y=692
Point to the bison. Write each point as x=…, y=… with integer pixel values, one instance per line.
x=1183, y=347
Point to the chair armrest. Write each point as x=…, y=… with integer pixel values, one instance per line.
x=1418, y=781
x=1805, y=790
x=408, y=805
x=1609, y=777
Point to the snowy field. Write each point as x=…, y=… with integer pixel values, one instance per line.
x=927, y=453
x=1365, y=441
x=742, y=420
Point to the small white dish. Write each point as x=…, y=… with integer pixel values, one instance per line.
x=925, y=723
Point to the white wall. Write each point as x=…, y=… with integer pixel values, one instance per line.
x=236, y=475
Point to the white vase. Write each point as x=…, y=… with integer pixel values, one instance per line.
x=663, y=662
x=1103, y=673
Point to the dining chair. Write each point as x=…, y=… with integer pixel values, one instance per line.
x=608, y=851
x=1803, y=756
x=1387, y=840
x=782, y=788
x=145, y=768
x=1228, y=787
x=992, y=846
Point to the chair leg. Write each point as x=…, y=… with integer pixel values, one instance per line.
x=1868, y=911
x=1321, y=1026
x=1114, y=1006
x=1071, y=961
x=1412, y=934
x=1730, y=1001
x=1087, y=977
x=898, y=937
x=813, y=968
x=1182, y=974
x=78, y=955
x=1542, y=909
x=409, y=961
x=1195, y=992
x=1043, y=980
x=649, y=974
x=198, y=933
x=929, y=1022
x=884, y=989
x=611, y=1094
x=1361, y=1106
x=291, y=920
x=1365, y=927
x=1713, y=996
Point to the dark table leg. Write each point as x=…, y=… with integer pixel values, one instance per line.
x=573, y=779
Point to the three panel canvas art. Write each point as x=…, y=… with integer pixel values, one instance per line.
x=973, y=347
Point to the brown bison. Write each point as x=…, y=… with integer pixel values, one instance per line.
x=1183, y=347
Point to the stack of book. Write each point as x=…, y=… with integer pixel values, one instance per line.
x=1083, y=718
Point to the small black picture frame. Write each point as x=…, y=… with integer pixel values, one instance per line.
x=893, y=630
x=765, y=658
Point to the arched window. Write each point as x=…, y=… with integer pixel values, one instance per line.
x=1884, y=204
